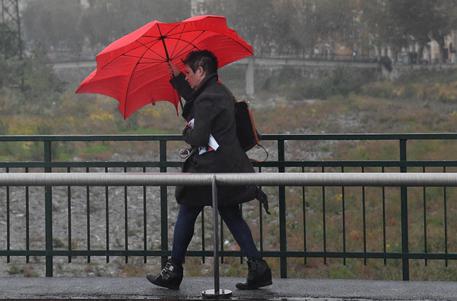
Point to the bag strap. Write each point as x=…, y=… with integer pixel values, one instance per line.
x=266, y=154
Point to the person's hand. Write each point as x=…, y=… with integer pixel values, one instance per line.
x=174, y=71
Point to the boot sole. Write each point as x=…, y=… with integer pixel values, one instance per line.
x=172, y=287
x=245, y=287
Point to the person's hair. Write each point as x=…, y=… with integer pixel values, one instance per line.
x=202, y=58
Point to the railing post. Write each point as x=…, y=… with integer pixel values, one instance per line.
x=216, y=292
x=282, y=215
x=250, y=90
x=404, y=213
x=215, y=235
x=48, y=210
x=163, y=203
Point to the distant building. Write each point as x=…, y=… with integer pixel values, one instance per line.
x=197, y=7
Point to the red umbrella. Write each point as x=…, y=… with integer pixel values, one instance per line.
x=134, y=68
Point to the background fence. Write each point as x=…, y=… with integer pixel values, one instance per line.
x=381, y=223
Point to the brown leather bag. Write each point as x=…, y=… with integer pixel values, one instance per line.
x=245, y=126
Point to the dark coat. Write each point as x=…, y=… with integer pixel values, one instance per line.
x=212, y=108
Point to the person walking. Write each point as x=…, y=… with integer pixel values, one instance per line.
x=214, y=148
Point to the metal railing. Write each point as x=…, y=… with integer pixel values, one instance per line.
x=278, y=163
x=213, y=180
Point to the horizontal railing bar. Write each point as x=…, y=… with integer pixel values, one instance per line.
x=113, y=164
x=79, y=138
x=355, y=136
x=354, y=163
x=102, y=179
x=83, y=253
x=92, y=252
x=309, y=254
x=264, y=179
x=109, y=164
x=339, y=179
x=177, y=137
x=316, y=254
x=432, y=256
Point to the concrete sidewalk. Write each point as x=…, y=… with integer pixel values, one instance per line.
x=140, y=288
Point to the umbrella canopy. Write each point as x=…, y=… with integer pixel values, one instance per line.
x=134, y=68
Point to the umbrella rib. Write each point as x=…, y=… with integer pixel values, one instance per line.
x=123, y=54
x=149, y=82
x=178, y=33
x=149, y=48
x=236, y=41
x=190, y=43
x=134, y=68
x=176, y=45
x=177, y=25
x=239, y=43
x=152, y=60
x=196, y=30
x=130, y=81
x=167, y=34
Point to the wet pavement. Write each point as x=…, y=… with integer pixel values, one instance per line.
x=191, y=288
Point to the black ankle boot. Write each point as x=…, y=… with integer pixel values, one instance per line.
x=259, y=275
x=170, y=276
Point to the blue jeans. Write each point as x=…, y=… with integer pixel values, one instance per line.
x=184, y=230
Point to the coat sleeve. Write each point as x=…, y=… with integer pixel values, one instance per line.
x=182, y=86
x=205, y=112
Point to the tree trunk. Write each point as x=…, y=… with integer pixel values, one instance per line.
x=420, y=54
x=443, y=50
